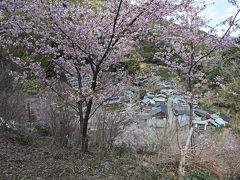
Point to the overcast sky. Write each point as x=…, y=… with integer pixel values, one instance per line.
x=219, y=11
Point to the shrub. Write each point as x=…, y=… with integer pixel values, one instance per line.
x=43, y=130
x=30, y=86
x=107, y=125
x=131, y=66
x=56, y=116
x=142, y=93
x=236, y=130
x=12, y=109
x=132, y=138
x=122, y=150
x=198, y=175
x=163, y=73
x=24, y=139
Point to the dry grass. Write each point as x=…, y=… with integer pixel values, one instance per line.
x=42, y=160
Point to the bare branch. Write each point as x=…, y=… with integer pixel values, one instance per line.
x=214, y=48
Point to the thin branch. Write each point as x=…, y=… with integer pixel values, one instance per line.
x=60, y=96
x=99, y=106
x=71, y=39
x=230, y=26
x=113, y=31
x=39, y=53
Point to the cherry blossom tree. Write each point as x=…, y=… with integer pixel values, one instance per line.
x=187, y=50
x=78, y=40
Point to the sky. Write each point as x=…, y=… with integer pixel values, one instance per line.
x=219, y=11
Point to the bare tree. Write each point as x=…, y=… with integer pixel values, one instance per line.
x=106, y=125
x=12, y=108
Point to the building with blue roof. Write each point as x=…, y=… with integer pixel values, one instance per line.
x=219, y=122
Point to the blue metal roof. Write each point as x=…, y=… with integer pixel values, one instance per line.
x=215, y=124
x=220, y=121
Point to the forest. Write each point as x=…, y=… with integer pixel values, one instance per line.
x=118, y=89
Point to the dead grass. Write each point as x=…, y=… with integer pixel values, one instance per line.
x=42, y=160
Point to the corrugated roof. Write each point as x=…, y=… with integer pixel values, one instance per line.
x=200, y=111
x=200, y=122
x=220, y=121
x=155, y=110
x=161, y=108
x=180, y=110
x=145, y=100
x=160, y=99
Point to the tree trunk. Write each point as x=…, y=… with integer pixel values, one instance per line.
x=84, y=120
x=84, y=135
x=80, y=113
x=181, y=166
x=190, y=89
x=183, y=152
x=191, y=124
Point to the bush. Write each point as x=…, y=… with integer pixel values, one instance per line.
x=122, y=150
x=12, y=109
x=56, y=116
x=108, y=125
x=131, y=66
x=236, y=131
x=29, y=86
x=163, y=73
x=132, y=138
x=43, y=130
x=142, y=93
x=24, y=138
x=198, y=175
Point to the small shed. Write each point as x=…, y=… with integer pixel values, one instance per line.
x=161, y=96
x=202, y=113
x=157, y=104
x=150, y=95
x=145, y=100
x=219, y=122
x=200, y=125
x=178, y=99
x=155, y=110
x=151, y=102
x=159, y=112
x=225, y=116
x=167, y=91
x=158, y=100
x=114, y=100
x=130, y=94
